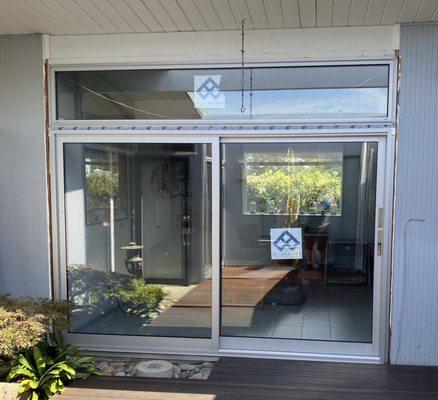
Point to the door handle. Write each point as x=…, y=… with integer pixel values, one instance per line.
x=380, y=232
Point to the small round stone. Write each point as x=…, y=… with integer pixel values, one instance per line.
x=187, y=367
x=108, y=370
x=155, y=369
x=102, y=365
x=208, y=364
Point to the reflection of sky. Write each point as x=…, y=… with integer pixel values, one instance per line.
x=302, y=103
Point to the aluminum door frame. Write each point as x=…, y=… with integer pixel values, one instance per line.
x=216, y=346
x=130, y=343
x=332, y=350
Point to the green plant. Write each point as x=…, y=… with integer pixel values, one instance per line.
x=286, y=183
x=47, y=367
x=25, y=321
x=138, y=297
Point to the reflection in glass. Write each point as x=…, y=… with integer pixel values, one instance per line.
x=271, y=179
x=325, y=191
x=138, y=231
x=323, y=92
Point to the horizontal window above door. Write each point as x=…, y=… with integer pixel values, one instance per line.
x=341, y=92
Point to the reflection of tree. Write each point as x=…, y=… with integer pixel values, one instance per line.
x=101, y=186
x=293, y=186
x=95, y=291
x=87, y=286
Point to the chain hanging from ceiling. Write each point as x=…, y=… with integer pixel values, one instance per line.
x=242, y=78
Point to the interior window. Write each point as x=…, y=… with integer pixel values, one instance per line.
x=306, y=181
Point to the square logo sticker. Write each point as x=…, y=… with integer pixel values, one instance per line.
x=207, y=92
x=286, y=243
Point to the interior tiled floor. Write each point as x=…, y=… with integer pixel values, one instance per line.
x=332, y=313
x=338, y=313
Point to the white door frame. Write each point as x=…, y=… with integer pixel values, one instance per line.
x=275, y=348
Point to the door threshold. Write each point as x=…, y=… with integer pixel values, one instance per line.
x=301, y=356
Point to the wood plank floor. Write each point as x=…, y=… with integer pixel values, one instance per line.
x=245, y=378
x=241, y=286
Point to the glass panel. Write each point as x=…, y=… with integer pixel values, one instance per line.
x=138, y=221
x=298, y=223
x=214, y=94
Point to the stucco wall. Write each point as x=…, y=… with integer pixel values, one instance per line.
x=415, y=279
x=24, y=244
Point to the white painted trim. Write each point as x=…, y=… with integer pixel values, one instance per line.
x=45, y=40
x=216, y=242
x=331, y=43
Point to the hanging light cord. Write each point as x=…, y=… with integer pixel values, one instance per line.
x=242, y=80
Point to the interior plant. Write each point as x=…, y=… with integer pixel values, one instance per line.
x=293, y=201
x=44, y=370
x=138, y=297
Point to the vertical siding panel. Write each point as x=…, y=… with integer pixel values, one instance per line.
x=24, y=255
x=415, y=294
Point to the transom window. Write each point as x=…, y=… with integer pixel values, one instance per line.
x=274, y=93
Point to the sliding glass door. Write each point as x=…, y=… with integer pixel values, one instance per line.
x=138, y=238
x=300, y=265
x=208, y=244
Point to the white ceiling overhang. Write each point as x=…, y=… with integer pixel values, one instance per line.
x=85, y=17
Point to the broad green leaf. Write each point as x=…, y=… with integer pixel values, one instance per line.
x=22, y=389
x=39, y=359
x=67, y=369
x=24, y=372
x=53, y=386
x=23, y=361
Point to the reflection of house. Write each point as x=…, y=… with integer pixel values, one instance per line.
x=153, y=201
x=109, y=164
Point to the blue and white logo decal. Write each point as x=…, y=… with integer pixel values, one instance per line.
x=207, y=92
x=286, y=243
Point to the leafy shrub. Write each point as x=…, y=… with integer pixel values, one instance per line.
x=46, y=368
x=273, y=180
x=87, y=285
x=24, y=322
x=138, y=297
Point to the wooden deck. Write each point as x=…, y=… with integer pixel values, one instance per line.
x=241, y=286
x=244, y=378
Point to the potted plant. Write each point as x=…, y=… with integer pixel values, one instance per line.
x=293, y=201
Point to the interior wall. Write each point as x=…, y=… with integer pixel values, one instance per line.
x=24, y=235
x=415, y=276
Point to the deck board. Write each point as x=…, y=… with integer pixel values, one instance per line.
x=243, y=378
x=241, y=286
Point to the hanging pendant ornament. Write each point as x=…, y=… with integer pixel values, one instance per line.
x=242, y=79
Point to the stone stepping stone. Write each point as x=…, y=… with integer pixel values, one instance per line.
x=155, y=369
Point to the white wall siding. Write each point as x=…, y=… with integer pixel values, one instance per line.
x=415, y=279
x=24, y=239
